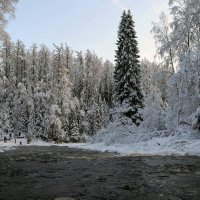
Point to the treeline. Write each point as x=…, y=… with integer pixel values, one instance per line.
x=60, y=95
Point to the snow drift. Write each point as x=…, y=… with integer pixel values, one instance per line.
x=126, y=139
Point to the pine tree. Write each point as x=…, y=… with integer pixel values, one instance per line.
x=6, y=49
x=20, y=62
x=106, y=86
x=21, y=110
x=79, y=82
x=127, y=73
x=74, y=128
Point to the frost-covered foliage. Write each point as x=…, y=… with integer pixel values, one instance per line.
x=141, y=142
x=183, y=92
x=185, y=25
x=115, y=132
x=195, y=119
x=182, y=39
x=162, y=35
x=53, y=95
x=124, y=137
x=54, y=125
x=154, y=111
x=178, y=42
x=7, y=10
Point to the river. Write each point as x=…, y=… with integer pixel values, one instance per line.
x=49, y=173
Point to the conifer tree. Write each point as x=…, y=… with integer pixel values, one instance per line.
x=127, y=73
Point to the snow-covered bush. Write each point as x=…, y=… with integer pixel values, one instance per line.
x=115, y=131
x=154, y=112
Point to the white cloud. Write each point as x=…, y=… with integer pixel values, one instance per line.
x=120, y=4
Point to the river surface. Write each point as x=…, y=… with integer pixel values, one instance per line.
x=49, y=173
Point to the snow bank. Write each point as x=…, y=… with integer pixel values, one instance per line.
x=155, y=146
x=6, y=146
x=129, y=140
x=9, y=145
x=125, y=139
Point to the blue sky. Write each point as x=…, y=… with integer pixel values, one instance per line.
x=84, y=24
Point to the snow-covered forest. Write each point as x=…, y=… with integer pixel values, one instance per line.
x=68, y=96
x=60, y=94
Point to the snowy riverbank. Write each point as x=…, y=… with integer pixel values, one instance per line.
x=182, y=142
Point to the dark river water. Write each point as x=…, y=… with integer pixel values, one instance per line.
x=50, y=173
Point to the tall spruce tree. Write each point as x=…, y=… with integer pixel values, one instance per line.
x=127, y=73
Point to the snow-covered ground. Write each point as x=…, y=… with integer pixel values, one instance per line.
x=177, y=147
x=126, y=142
x=155, y=146
x=9, y=145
